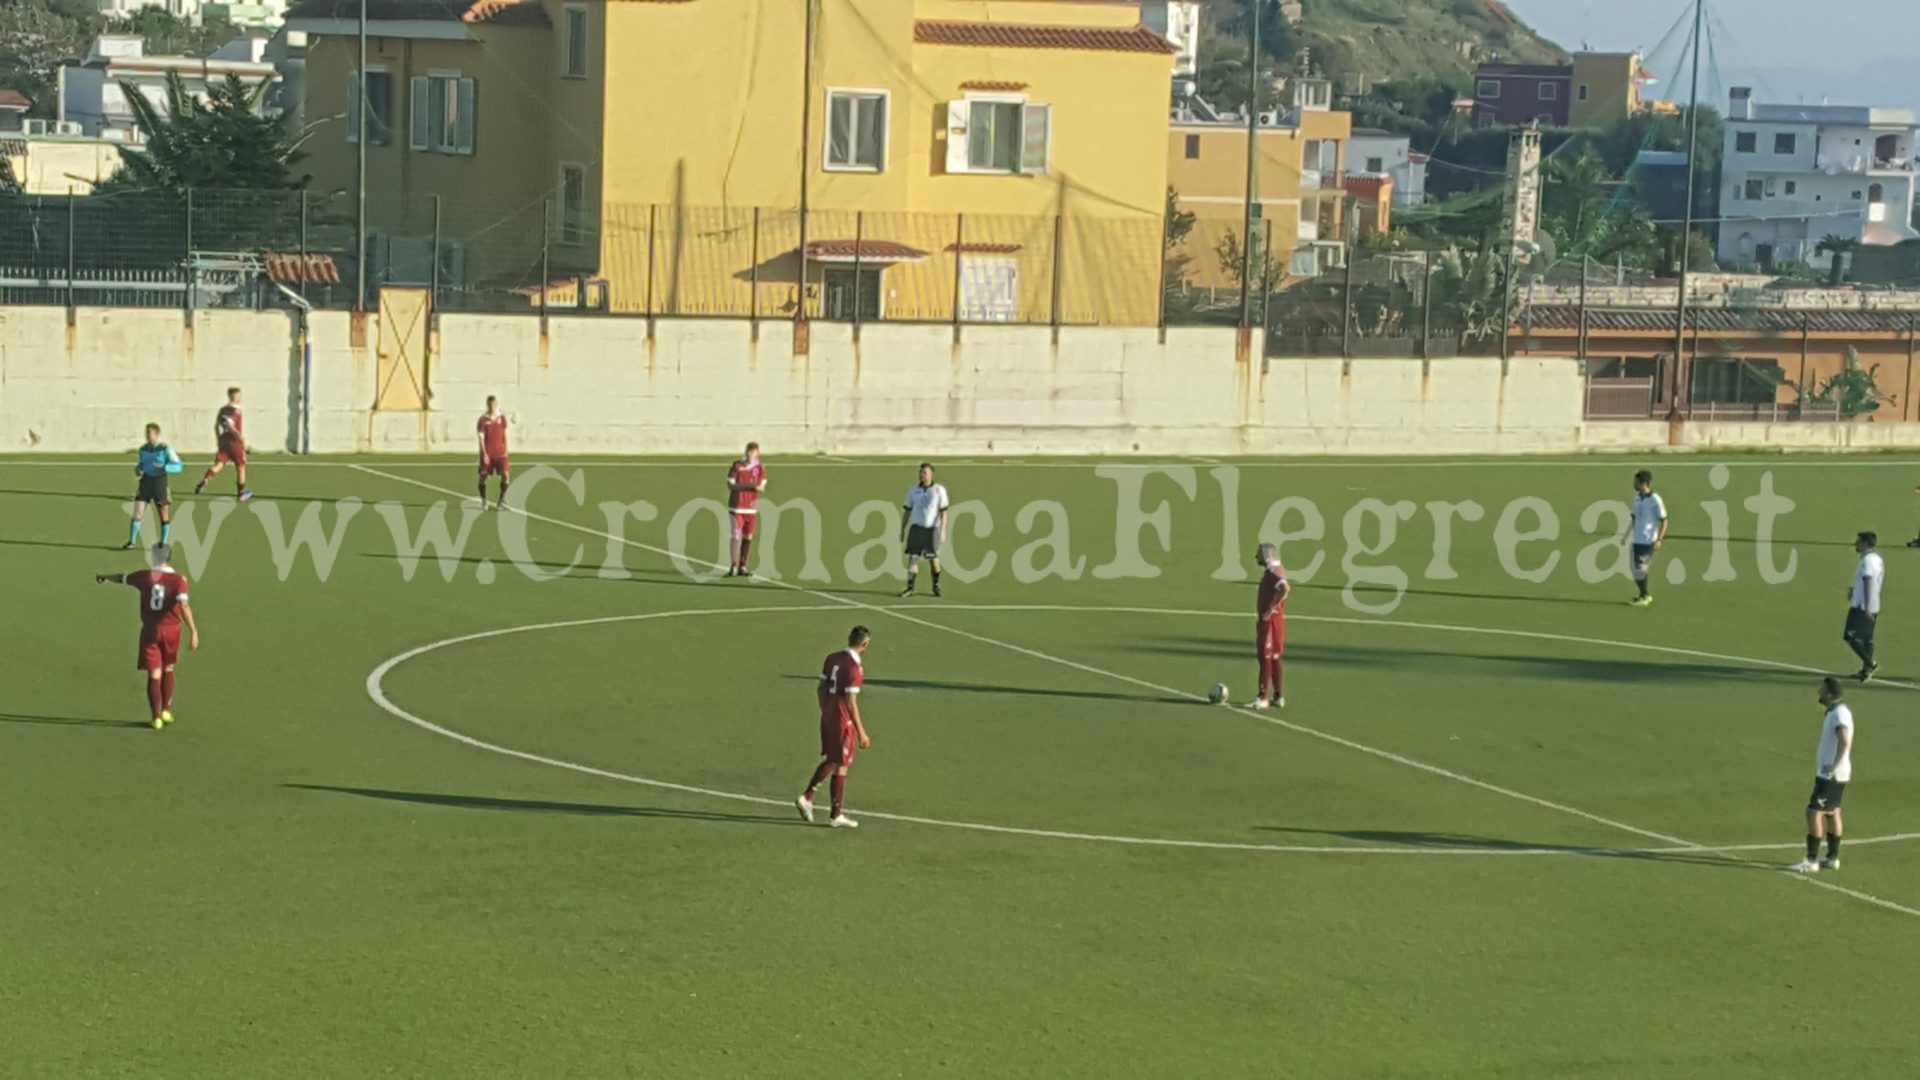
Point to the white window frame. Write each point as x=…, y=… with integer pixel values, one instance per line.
x=1480, y=88
x=420, y=119
x=1793, y=143
x=960, y=158
x=567, y=58
x=579, y=227
x=354, y=85
x=980, y=270
x=1549, y=91
x=886, y=129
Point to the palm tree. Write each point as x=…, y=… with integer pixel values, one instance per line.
x=1842, y=249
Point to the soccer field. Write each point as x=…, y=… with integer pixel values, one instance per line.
x=521, y=805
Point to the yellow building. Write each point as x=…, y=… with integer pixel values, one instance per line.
x=944, y=149
x=1300, y=176
x=1606, y=89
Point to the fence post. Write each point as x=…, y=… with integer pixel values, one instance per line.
x=859, y=238
x=546, y=253
x=1907, y=395
x=653, y=211
x=1582, y=342
x=1506, y=311
x=1526, y=339
x=753, y=302
x=70, y=258
x=1059, y=235
x=959, y=246
x=433, y=294
x=1166, y=228
x=1426, y=316
x=1266, y=287
x=303, y=246
x=192, y=270
x=1346, y=315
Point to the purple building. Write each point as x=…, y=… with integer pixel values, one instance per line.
x=1508, y=95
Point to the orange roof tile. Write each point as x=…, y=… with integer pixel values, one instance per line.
x=1137, y=39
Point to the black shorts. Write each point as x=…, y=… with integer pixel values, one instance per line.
x=922, y=541
x=1642, y=557
x=1826, y=794
x=153, y=489
x=1859, y=627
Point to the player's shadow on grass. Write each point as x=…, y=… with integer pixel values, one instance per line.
x=1383, y=593
x=1016, y=691
x=535, y=806
x=60, y=544
x=68, y=721
x=588, y=570
x=1782, y=541
x=1455, y=841
x=1653, y=668
x=68, y=494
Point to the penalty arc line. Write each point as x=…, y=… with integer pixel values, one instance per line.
x=1301, y=729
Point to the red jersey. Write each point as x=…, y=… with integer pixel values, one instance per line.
x=493, y=434
x=748, y=476
x=162, y=591
x=1271, y=583
x=227, y=427
x=840, y=677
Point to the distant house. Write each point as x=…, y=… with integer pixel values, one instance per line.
x=13, y=109
x=1373, y=152
x=1594, y=90
x=93, y=92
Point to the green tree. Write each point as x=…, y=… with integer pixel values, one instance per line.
x=1586, y=213
x=1221, y=79
x=9, y=185
x=1268, y=267
x=1854, y=390
x=1841, y=248
x=1179, y=302
x=222, y=142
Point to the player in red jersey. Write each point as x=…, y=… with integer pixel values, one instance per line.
x=746, y=479
x=840, y=727
x=492, y=430
x=230, y=442
x=1270, y=631
x=163, y=605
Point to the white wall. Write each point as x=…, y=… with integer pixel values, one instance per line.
x=601, y=385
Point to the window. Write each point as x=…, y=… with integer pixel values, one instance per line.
x=992, y=135
x=443, y=117
x=1856, y=195
x=1772, y=189
x=842, y=289
x=1549, y=91
x=573, y=203
x=1487, y=88
x=989, y=288
x=573, y=42
x=1581, y=93
x=857, y=130
x=1785, y=143
x=1793, y=187
x=1193, y=148
x=1745, y=142
x=379, y=111
x=1756, y=190
x=1376, y=165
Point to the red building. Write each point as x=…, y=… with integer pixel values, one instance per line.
x=1508, y=95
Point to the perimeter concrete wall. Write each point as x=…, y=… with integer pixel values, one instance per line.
x=599, y=385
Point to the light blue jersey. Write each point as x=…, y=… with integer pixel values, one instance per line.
x=157, y=460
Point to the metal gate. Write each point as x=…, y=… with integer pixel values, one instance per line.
x=404, y=348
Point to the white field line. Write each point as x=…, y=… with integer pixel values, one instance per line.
x=1301, y=729
x=1811, y=460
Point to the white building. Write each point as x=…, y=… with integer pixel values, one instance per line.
x=252, y=13
x=1179, y=22
x=93, y=98
x=1796, y=174
x=1373, y=152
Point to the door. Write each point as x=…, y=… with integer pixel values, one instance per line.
x=838, y=293
x=401, y=371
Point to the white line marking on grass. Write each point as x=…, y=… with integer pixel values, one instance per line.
x=1810, y=460
x=1302, y=729
x=376, y=690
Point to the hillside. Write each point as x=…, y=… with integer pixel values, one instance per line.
x=1397, y=39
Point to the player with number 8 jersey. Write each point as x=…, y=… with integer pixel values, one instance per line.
x=163, y=606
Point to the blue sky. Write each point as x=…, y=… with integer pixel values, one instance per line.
x=1845, y=51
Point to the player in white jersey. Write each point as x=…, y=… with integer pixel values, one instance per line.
x=1833, y=768
x=1863, y=603
x=923, y=527
x=1646, y=533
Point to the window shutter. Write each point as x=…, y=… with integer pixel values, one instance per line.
x=957, y=123
x=840, y=130
x=1036, y=130
x=417, y=108
x=464, y=119
x=353, y=106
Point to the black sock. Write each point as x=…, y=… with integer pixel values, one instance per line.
x=1833, y=846
x=936, y=579
x=1813, y=848
x=1643, y=586
x=910, y=578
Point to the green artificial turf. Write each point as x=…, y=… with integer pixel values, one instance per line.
x=293, y=881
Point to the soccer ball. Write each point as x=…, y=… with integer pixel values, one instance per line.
x=1218, y=695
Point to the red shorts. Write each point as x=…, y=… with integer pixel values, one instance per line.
x=159, y=648
x=233, y=453
x=1270, y=639
x=495, y=466
x=838, y=741
x=744, y=525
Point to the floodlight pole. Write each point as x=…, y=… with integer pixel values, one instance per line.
x=1680, y=380
x=360, y=166
x=1253, y=166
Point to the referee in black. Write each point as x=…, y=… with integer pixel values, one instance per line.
x=923, y=526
